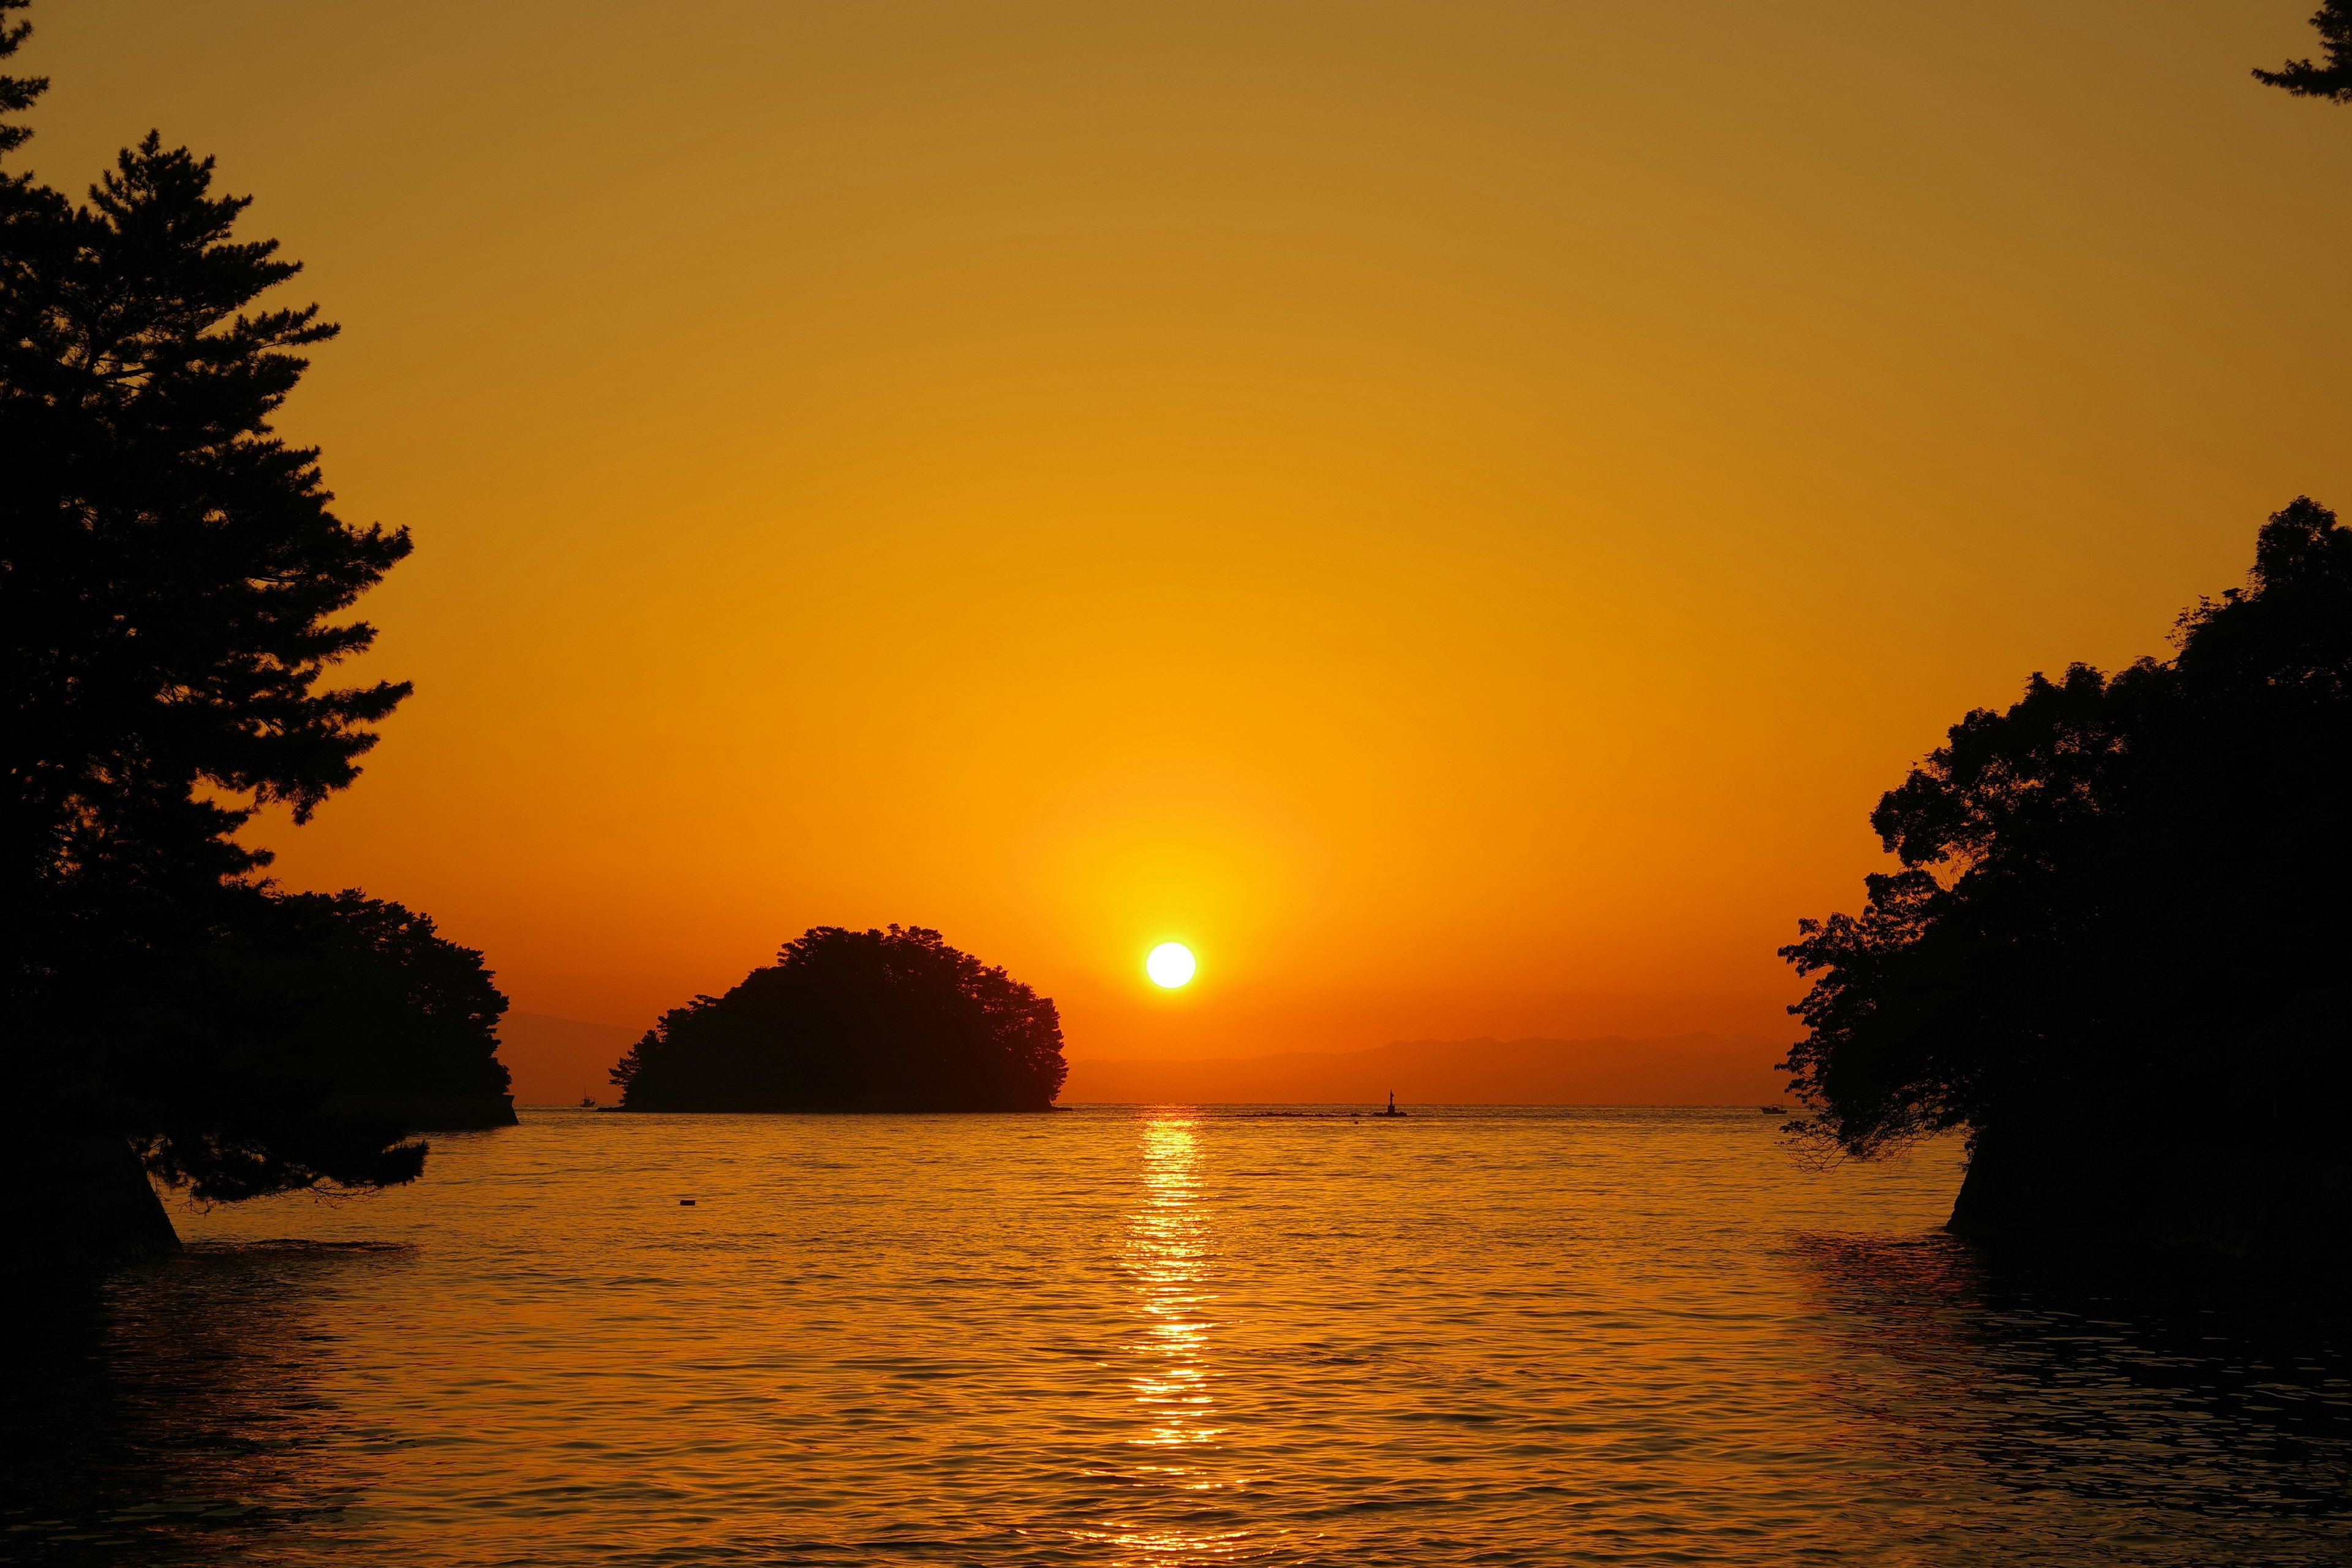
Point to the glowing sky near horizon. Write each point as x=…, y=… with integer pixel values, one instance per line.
x=1463, y=507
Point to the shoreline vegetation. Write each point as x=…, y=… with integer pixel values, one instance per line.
x=174, y=579
x=2116, y=954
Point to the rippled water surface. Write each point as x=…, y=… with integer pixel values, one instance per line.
x=1160, y=1336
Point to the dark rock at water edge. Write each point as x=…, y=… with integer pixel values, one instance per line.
x=75, y=1203
x=2260, y=1171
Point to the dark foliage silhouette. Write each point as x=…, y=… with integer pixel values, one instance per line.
x=169, y=578
x=2332, y=80
x=2116, y=947
x=18, y=93
x=848, y=1020
x=388, y=1007
x=338, y=1021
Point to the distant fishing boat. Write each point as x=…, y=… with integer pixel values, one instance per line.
x=1773, y=1109
x=587, y=1100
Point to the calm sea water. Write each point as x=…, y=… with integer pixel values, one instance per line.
x=1159, y=1336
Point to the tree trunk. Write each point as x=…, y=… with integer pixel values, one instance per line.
x=75, y=1203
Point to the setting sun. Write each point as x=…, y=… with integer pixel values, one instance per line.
x=1170, y=965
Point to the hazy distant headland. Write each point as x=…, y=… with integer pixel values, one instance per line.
x=556, y=1061
x=1684, y=1070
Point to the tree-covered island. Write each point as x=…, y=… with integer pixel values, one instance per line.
x=851, y=1020
x=2118, y=952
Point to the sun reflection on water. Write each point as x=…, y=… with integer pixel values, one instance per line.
x=1167, y=1260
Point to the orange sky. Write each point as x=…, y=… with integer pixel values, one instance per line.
x=1453, y=510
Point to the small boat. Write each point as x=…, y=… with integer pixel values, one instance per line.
x=587, y=1100
x=1773, y=1109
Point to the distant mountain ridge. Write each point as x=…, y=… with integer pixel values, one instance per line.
x=1679, y=1069
x=554, y=1061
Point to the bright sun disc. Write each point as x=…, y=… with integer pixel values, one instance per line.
x=1171, y=964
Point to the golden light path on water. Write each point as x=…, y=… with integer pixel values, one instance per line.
x=1170, y=1245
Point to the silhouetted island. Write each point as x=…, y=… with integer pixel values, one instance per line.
x=2119, y=954
x=850, y=1020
